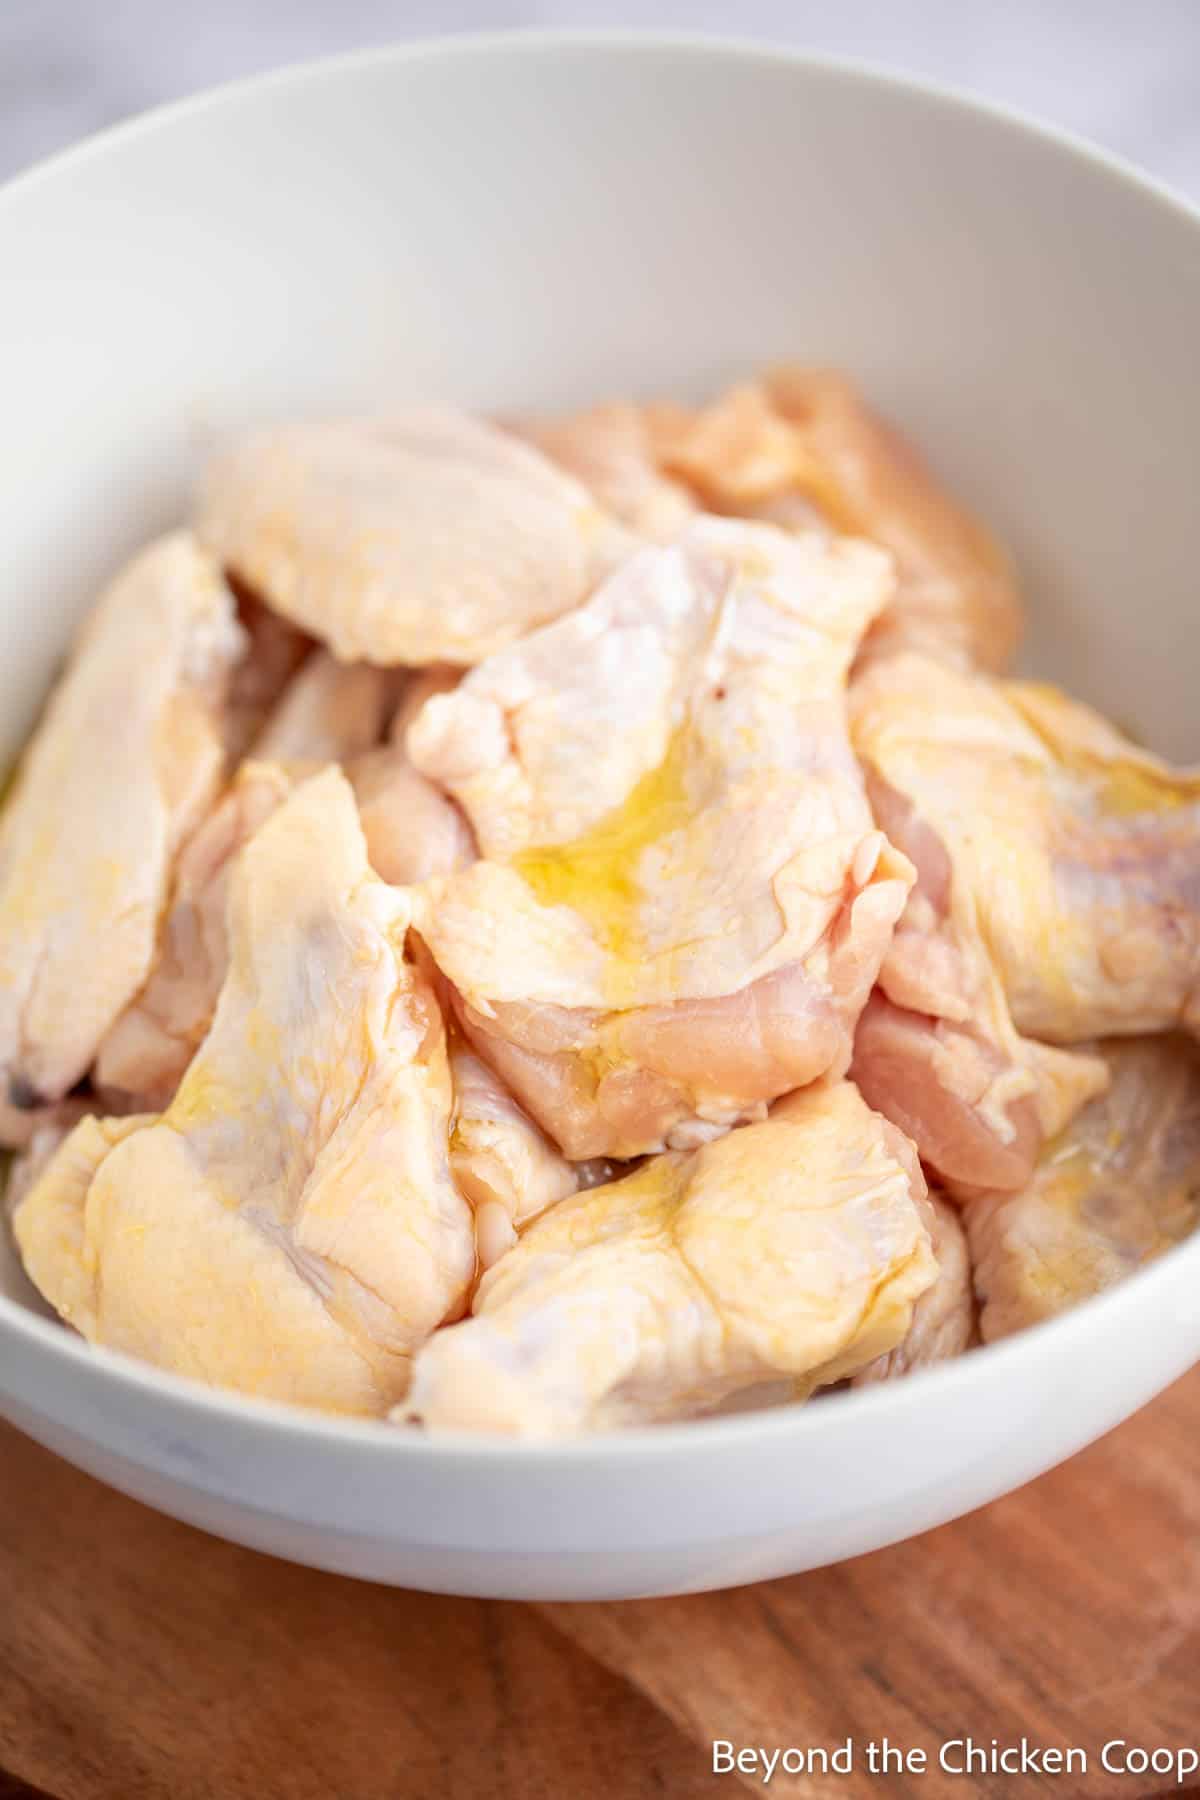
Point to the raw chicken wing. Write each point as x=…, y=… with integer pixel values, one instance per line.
x=683, y=901
x=1081, y=852
x=328, y=712
x=290, y=1226
x=1058, y=899
x=431, y=537
x=795, y=1247
x=126, y=759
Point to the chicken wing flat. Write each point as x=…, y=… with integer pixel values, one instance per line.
x=796, y=1247
x=431, y=537
x=125, y=761
x=289, y=1226
x=682, y=900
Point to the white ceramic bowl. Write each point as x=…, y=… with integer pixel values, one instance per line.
x=510, y=221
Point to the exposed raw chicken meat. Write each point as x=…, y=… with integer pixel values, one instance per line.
x=505, y=1166
x=801, y=439
x=943, y=1320
x=413, y=830
x=431, y=537
x=126, y=758
x=612, y=451
x=1120, y=1186
x=1059, y=897
x=154, y=1040
x=976, y=1098
x=794, y=1247
x=329, y=711
x=290, y=1226
x=274, y=651
x=684, y=900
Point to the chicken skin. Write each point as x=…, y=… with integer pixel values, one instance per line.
x=943, y=1320
x=796, y=1247
x=682, y=901
x=431, y=537
x=801, y=446
x=1120, y=1186
x=290, y=1226
x=124, y=763
x=1058, y=899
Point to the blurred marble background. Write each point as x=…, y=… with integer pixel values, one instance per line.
x=1125, y=73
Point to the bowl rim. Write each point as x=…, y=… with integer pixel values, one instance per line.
x=1099, y=1316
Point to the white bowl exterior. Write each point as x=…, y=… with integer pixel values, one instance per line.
x=683, y=1508
x=541, y=222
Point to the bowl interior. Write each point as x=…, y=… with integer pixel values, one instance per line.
x=547, y=222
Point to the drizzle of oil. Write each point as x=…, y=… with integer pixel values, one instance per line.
x=1121, y=788
x=1126, y=789
x=596, y=874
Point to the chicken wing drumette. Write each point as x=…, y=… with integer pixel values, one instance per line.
x=796, y=1248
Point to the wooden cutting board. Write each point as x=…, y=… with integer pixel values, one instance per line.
x=140, y=1659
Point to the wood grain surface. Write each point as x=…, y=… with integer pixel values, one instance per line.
x=140, y=1659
